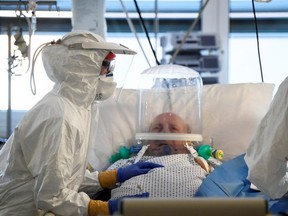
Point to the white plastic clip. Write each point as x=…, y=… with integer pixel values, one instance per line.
x=141, y=153
x=191, y=149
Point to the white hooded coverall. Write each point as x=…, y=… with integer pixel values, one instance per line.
x=43, y=164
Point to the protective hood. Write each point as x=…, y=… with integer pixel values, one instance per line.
x=172, y=89
x=74, y=64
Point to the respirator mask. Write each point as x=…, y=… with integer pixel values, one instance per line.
x=105, y=88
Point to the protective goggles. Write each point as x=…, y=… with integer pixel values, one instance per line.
x=108, y=66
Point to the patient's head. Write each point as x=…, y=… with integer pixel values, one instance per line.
x=167, y=123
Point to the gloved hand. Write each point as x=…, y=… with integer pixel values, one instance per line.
x=113, y=205
x=136, y=169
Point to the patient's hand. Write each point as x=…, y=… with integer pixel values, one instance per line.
x=136, y=169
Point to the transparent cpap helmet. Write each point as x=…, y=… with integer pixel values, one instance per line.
x=169, y=107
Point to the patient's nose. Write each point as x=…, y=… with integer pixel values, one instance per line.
x=166, y=129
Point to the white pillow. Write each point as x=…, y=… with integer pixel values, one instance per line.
x=230, y=115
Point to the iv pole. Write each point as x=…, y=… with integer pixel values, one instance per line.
x=8, y=114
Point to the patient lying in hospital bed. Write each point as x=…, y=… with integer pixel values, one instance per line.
x=231, y=116
x=181, y=175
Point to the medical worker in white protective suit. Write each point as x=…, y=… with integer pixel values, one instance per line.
x=43, y=164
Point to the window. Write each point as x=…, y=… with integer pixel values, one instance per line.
x=243, y=58
x=272, y=19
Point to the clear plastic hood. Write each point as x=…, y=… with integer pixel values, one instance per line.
x=169, y=104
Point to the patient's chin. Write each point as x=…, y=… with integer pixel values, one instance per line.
x=164, y=149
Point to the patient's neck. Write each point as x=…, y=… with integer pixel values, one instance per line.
x=162, y=148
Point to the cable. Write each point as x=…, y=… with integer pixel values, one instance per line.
x=134, y=31
x=35, y=56
x=156, y=25
x=257, y=37
x=146, y=32
x=172, y=59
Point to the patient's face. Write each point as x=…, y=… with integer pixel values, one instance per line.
x=167, y=123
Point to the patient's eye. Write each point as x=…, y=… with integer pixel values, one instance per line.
x=156, y=128
x=175, y=129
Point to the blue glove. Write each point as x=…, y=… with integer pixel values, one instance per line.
x=113, y=205
x=136, y=169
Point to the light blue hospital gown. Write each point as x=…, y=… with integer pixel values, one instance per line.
x=181, y=177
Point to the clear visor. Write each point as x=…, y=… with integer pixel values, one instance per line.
x=119, y=71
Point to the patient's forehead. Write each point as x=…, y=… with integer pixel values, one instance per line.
x=169, y=118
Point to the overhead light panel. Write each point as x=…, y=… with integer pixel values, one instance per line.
x=26, y=2
x=263, y=0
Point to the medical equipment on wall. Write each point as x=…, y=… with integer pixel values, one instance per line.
x=201, y=52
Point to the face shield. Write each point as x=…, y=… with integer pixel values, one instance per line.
x=113, y=75
x=113, y=68
x=169, y=109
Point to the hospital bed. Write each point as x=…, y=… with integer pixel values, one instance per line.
x=231, y=114
x=194, y=206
